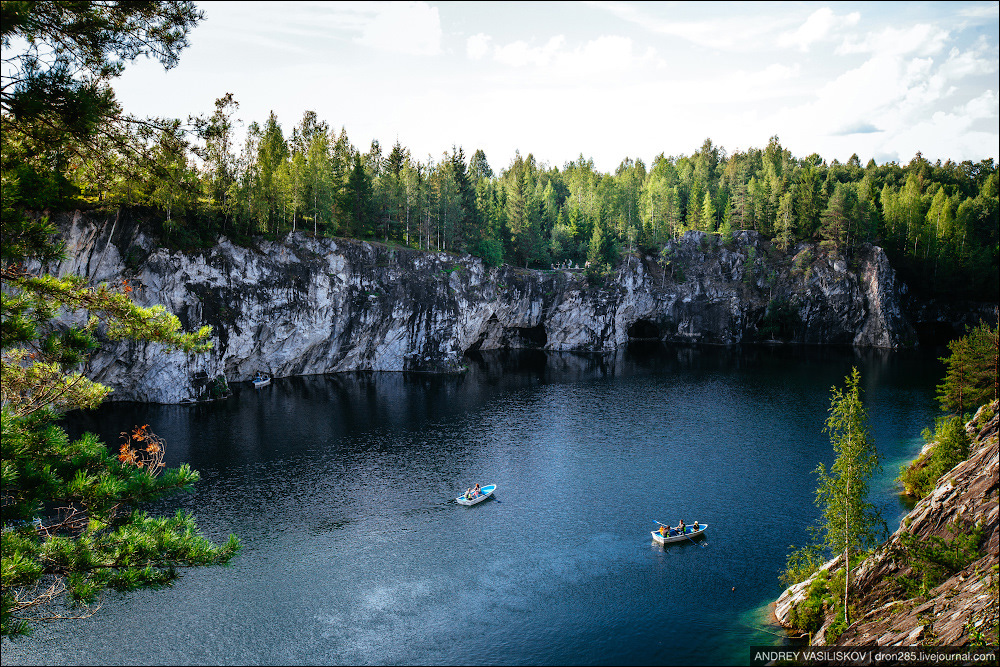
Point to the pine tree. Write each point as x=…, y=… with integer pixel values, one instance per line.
x=785, y=223
x=707, y=214
x=71, y=524
x=971, y=370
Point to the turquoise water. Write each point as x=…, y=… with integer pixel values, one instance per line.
x=342, y=489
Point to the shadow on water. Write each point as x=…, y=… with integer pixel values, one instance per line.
x=342, y=489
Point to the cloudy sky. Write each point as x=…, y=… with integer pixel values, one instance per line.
x=608, y=80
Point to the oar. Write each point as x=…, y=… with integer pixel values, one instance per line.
x=684, y=534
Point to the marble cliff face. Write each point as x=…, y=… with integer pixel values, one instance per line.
x=316, y=305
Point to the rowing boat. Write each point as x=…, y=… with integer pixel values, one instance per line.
x=674, y=536
x=484, y=493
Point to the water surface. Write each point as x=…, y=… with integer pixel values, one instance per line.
x=341, y=488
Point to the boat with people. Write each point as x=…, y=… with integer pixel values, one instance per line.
x=679, y=534
x=260, y=380
x=476, y=495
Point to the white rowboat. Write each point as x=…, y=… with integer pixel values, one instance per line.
x=689, y=533
x=484, y=493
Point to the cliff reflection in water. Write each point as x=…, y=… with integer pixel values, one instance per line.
x=328, y=407
x=341, y=488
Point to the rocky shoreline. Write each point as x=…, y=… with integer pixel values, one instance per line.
x=962, y=609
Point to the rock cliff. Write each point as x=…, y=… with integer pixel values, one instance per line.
x=924, y=587
x=315, y=305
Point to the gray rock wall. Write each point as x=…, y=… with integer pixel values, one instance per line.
x=308, y=306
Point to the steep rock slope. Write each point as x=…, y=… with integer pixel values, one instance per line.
x=306, y=305
x=963, y=608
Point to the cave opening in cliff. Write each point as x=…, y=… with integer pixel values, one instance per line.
x=532, y=337
x=644, y=330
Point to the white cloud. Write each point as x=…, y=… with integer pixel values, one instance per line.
x=608, y=53
x=921, y=39
x=945, y=134
x=817, y=27
x=985, y=106
x=477, y=46
x=988, y=11
x=967, y=63
x=519, y=54
x=604, y=54
x=413, y=28
x=722, y=31
x=652, y=77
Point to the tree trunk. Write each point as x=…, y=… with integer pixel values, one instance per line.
x=847, y=555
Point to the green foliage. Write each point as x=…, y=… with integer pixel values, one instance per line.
x=950, y=447
x=748, y=270
x=491, y=252
x=66, y=142
x=726, y=233
x=822, y=596
x=56, y=89
x=807, y=614
x=934, y=560
x=72, y=525
x=983, y=630
x=801, y=564
x=850, y=521
x=219, y=387
x=971, y=376
x=984, y=415
x=597, y=274
x=837, y=626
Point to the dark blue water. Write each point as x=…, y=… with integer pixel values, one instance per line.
x=341, y=489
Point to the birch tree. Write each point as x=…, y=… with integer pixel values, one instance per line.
x=850, y=523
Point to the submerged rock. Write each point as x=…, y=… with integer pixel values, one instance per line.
x=308, y=305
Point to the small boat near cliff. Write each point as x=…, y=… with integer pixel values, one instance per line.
x=484, y=493
x=260, y=380
x=673, y=536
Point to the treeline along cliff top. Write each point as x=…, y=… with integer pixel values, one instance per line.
x=938, y=222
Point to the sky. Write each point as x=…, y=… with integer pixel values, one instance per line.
x=605, y=80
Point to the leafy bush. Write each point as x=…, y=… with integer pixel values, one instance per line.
x=951, y=446
x=491, y=252
x=801, y=564
x=837, y=627
x=807, y=615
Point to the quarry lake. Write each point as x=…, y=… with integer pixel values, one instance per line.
x=342, y=490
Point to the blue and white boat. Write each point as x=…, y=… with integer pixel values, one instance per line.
x=672, y=535
x=484, y=493
x=260, y=380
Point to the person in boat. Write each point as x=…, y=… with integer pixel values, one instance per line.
x=476, y=492
x=680, y=527
x=695, y=526
x=663, y=530
x=468, y=494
